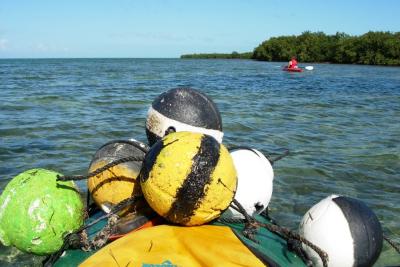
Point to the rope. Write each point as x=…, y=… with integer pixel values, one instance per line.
x=250, y=229
x=243, y=211
x=288, y=234
x=272, y=161
x=296, y=247
x=99, y=170
x=80, y=239
x=50, y=260
x=286, y=153
x=101, y=238
x=252, y=224
x=391, y=242
x=121, y=205
x=265, y=214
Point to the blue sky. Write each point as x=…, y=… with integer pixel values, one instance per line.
x=169, y=28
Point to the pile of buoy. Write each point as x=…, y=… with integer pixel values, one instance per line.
x=186, y=175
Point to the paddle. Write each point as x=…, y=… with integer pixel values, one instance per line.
x=306, y=67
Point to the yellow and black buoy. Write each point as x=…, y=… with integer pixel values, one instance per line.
x=120, y=181
x=188, y=178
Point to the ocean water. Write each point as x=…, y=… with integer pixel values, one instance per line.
x=341, y=124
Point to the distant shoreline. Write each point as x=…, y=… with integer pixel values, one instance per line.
x=300, y=63
x=371, y=48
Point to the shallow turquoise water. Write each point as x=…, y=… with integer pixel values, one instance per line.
x=340, y=122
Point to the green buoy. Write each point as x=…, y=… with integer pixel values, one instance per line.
x=36, y=211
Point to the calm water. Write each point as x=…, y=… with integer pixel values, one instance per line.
x=340, y=122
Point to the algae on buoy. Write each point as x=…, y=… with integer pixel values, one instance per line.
x=36, y=211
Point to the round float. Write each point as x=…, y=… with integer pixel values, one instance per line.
x=255, y=181
x=119, y=182
x=346, y=229
x=183, y=109
x=188, y=178
x=36, y=212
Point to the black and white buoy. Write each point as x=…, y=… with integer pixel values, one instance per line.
x=183, y=109
x=346, y=229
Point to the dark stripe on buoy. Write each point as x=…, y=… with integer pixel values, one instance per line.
x=152, y=137
x=185, y=108
x=365, y=230
x=149, y=160
x=189, y=196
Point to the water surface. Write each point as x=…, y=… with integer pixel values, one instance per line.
x=341, y=124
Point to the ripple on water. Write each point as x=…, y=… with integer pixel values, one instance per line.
x=341, y=125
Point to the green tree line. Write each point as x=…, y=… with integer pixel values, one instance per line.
x=372, y=48
x=233, y=55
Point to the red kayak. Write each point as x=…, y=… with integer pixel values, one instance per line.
x=292, y=69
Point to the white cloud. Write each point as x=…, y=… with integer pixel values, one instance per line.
x=3, y=44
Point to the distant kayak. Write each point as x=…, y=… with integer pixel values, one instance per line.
x=292, y=69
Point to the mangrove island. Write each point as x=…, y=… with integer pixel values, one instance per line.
x=371, y=48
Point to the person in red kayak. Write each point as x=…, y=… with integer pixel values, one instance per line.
x=293, y=63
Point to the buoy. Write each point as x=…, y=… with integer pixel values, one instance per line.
x=118, y=182
x=36, y=212
x=183, y=109
x=188, y=178
x=346, y=229
x=255, y=181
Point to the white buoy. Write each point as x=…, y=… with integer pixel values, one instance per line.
x=309, y=67
x=346, y=229
x=255, y=181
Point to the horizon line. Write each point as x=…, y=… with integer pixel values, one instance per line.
x=89, y=58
